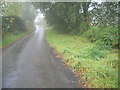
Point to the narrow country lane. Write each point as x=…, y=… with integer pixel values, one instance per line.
x=29, y=64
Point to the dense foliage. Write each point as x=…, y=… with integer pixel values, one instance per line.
x=67, y=17
x=17, y=19
x=12, y=24
x=15, y=15
x=91, y=47
x=105, y=37
x=77, y=17
x=99, y=19
x=96, y=64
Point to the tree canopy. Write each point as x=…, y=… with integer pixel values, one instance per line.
x=17, y=15
x=77, y=17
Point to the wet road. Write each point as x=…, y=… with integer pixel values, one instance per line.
x=29, y=64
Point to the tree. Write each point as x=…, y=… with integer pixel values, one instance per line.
x=23, y=12
x=105, y=14
x=76, y=17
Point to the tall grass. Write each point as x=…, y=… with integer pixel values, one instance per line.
x=11, y=37
x=96, y=63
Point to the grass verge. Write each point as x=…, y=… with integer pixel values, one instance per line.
x=97, y=67
x=9, y=38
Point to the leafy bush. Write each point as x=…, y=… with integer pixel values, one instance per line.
x=108, y=37
x=11, y=23
x=92, y=52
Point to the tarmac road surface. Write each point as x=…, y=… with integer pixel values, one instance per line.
x=28, y=63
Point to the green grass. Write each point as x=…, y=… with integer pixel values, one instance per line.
x=9, y=38
x=0, y=43
x=98, y=67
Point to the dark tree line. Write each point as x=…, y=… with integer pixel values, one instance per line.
x=77, y=17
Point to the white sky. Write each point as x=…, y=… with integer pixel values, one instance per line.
x=39, y=18
x=99, y=1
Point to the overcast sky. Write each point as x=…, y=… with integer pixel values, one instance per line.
x=39, y=18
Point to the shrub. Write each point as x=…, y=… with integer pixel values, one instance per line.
x=107, y=37
x=11, y=23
